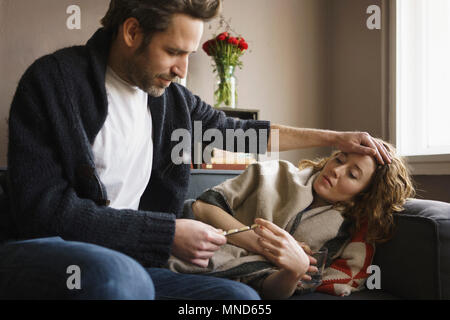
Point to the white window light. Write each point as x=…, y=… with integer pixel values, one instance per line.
x=423, y=77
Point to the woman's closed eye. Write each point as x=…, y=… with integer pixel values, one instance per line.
x=352, y=176
x=338, y=160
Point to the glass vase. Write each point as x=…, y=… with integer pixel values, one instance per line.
x=225, y=94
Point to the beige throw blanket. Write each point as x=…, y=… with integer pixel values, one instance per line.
x=279, y=192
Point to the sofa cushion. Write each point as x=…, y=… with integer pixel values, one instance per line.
x=415, y=263
x=201, y=180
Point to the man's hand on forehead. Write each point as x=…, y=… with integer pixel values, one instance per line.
x=363, y=143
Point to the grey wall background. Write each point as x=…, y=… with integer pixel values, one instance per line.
x=30, y=29
x=312, y=63
x=285, y=71
x=354, y=68
x=283, y=75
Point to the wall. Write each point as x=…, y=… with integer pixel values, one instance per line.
x=312, y=63
x=283, y=74
x=433, y=187
x=30, y=29
x=355, y=68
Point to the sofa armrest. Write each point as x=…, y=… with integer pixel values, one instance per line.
x=415, y=263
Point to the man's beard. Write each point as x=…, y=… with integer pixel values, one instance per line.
x=144, y=79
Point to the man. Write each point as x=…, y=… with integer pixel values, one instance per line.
x=90, y=138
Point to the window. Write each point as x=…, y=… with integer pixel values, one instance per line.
x=423, y=78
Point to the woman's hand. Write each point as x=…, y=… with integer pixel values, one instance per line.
x=312, y=261
x=280, y=248
x=305, y=248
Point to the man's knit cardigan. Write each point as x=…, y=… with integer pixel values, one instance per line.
x=59, y=107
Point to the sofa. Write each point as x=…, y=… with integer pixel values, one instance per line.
x=414, y=264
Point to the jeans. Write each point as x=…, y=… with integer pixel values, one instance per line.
x=170, y=285
x=51, y=268
x=41, y=269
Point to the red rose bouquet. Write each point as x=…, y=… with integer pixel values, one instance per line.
x=226, y=51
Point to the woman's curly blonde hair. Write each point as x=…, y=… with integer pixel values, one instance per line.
x=386, y=194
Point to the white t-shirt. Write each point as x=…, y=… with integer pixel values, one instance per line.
x=123, y=149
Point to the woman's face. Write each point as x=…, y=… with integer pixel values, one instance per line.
x=344, y=176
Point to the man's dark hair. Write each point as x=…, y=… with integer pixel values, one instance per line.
x=155, y=15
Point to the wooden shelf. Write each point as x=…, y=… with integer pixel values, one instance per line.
x=244, y=114
x=213, y=171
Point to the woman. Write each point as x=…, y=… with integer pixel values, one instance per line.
x=321, y=204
